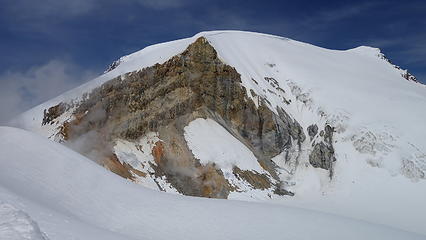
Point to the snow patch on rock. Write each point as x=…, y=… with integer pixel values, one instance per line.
x=211, y=143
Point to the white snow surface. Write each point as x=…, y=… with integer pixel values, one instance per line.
x=71, y=197
x=17, y=225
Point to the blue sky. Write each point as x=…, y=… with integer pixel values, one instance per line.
x=49, y=46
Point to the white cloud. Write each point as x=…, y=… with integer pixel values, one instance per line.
x=23, y=90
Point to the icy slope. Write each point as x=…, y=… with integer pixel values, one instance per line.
x=70, y=197
x=358, y=92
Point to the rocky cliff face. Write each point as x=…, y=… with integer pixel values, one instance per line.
x=160, y=101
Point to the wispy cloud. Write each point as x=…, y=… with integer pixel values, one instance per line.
x=340, y=13
x=162, y=4
x=32, y=10
x=77, y=26
x=25, y=9
x=49, y=16
x=23, y=90
x=307, y=27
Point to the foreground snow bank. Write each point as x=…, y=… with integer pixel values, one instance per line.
x=17, y=225
x=73, y=198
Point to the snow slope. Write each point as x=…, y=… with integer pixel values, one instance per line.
x=70, y=197
x=358, y=92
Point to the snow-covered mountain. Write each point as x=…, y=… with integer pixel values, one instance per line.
x=246, y=116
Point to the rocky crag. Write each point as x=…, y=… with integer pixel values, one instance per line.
x=162, y=100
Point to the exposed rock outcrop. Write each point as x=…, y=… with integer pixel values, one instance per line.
x=312, y=130
x=52, y=113
x=322, y=155
x=164, y=98
x=113, y=65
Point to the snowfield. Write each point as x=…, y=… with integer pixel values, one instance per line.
x=70, y=197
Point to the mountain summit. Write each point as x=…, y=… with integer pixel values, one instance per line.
x=241, y=115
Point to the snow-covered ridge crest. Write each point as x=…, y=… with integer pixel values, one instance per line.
x=148, y=56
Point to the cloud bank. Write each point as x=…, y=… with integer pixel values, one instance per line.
x=23, y=90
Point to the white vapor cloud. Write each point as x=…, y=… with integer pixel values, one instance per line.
x=23, y=90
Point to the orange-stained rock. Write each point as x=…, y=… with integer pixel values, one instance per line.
x=158, y=152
